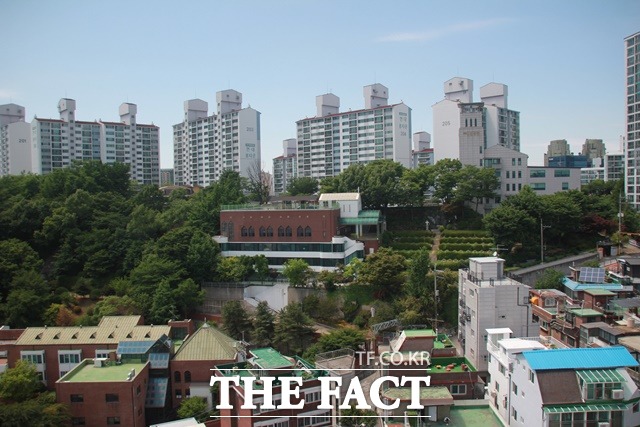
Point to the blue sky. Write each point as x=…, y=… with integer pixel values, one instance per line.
x=562, y=60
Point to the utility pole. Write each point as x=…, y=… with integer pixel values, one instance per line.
x=542, y=227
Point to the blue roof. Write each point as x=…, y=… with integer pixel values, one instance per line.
x=579, y=358
x=577, y=286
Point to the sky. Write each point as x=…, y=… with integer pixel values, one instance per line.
x=563, y=61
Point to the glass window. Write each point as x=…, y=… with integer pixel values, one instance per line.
x=300, y=231
x=287, y=232
x=176, y=376
x=187, y=376
x=537, y=173
x=76, y=398
x=113, y=421
x=307, y=231
x=111, y=397
x=561, y=173
x=281, y=231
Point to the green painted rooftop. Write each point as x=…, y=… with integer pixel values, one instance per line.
x=404, y=393
x=466, y=416
x=268, y=358
x=599, y=292
x=86, y=372
x=439, y=365
x=419, y=333
x=585, y=312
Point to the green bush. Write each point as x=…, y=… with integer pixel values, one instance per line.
x=476, y=233
x=470, y=239
x=410, y=245
x=464, y=255
x=465, y=246
x=452, y=264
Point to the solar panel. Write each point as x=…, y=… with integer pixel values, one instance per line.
x=592, y=275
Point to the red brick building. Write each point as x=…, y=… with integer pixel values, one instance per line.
x=105, y=394
x=191, y=365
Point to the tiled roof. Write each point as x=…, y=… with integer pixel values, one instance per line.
x=559, y=387
x=579, y=358
x=111, y=330
x=207, y=343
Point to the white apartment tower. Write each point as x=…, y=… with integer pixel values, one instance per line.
x=446, y=118
x=285, y=167
x=332, y=141
x=56, y=143
x=489, y=299
x=422, y=153
x=632, y=149
x=15, y=141
x=498, y=124
x=206, y=145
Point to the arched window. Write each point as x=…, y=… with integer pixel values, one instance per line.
x=176, y=377
x=251, y=232
x=269, y=231
x=263, y=232
x=307, y=231
x=187, y=376
x=243, y=231
x=300, y=232
x=288, y=231
x=281, y=231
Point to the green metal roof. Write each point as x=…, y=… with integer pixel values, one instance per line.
x=585, y=312
x=601, y=376
x=364, y=218
x=587, y=407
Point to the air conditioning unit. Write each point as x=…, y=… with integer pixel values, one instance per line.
x=617, y=394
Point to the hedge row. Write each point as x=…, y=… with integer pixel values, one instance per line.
x=466, y=246
x=447, y=239
x=452, y=264
x=412, y=239
x=411, y=233
x=410, y=245
x=462, y=254
x=477, y=233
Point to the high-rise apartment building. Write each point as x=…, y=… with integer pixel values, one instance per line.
x=285, y=167
x=422, y=153
x=56, y=143
x=632, y=149
x=15, y=141
x=498, y=124
x=595, y=150
x=557, y=147
x=205, y=145
x=332, y=141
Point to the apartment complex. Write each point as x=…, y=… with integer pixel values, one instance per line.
x=632, y=148
x=285, y=167
x=205, y=145
x=422, y=153
x=15, y=141
x=332, y=141
x=463, y=128
x=59, y=142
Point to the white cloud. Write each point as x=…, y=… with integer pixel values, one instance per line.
x=437, y=33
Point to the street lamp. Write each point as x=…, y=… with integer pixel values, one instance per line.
x=542, y=227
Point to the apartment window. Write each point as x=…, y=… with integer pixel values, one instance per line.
x=565, y=185
x=515, y=388
x=514, y=413
x=187, y=376
x=532, y=376
x=502, y=369
x=76, y=398
x=111, y=398
x=519, y=174
x=458, y=389
x=113, y=421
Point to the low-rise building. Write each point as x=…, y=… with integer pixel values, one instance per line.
x=532, y=385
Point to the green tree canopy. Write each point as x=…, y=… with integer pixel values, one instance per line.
x=293, y=330
x=385, y=271
x=235, y=320
x=263, y=325
x=297, y=271
x=304, y=185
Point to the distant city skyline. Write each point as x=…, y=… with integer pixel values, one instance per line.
x=564, y=62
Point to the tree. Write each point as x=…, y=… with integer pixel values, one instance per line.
x=261, y=266
x=353, y=417
x=384, y=270
x=258, y=183
x=201, y=257
x=231, y=269
x=163, y=307
x=188, y=297
x=297, y=271
x=235, y=320
x=419, y=268
x=293, y=330
x=304, y=185
x=475, y=183
x=263, y=325
x=195, y=407
x=27, y=301
x=550, y=279
x=510, y=224
x=20, y=382
x=342, y=338
x=15, y=256
x=145, y=278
